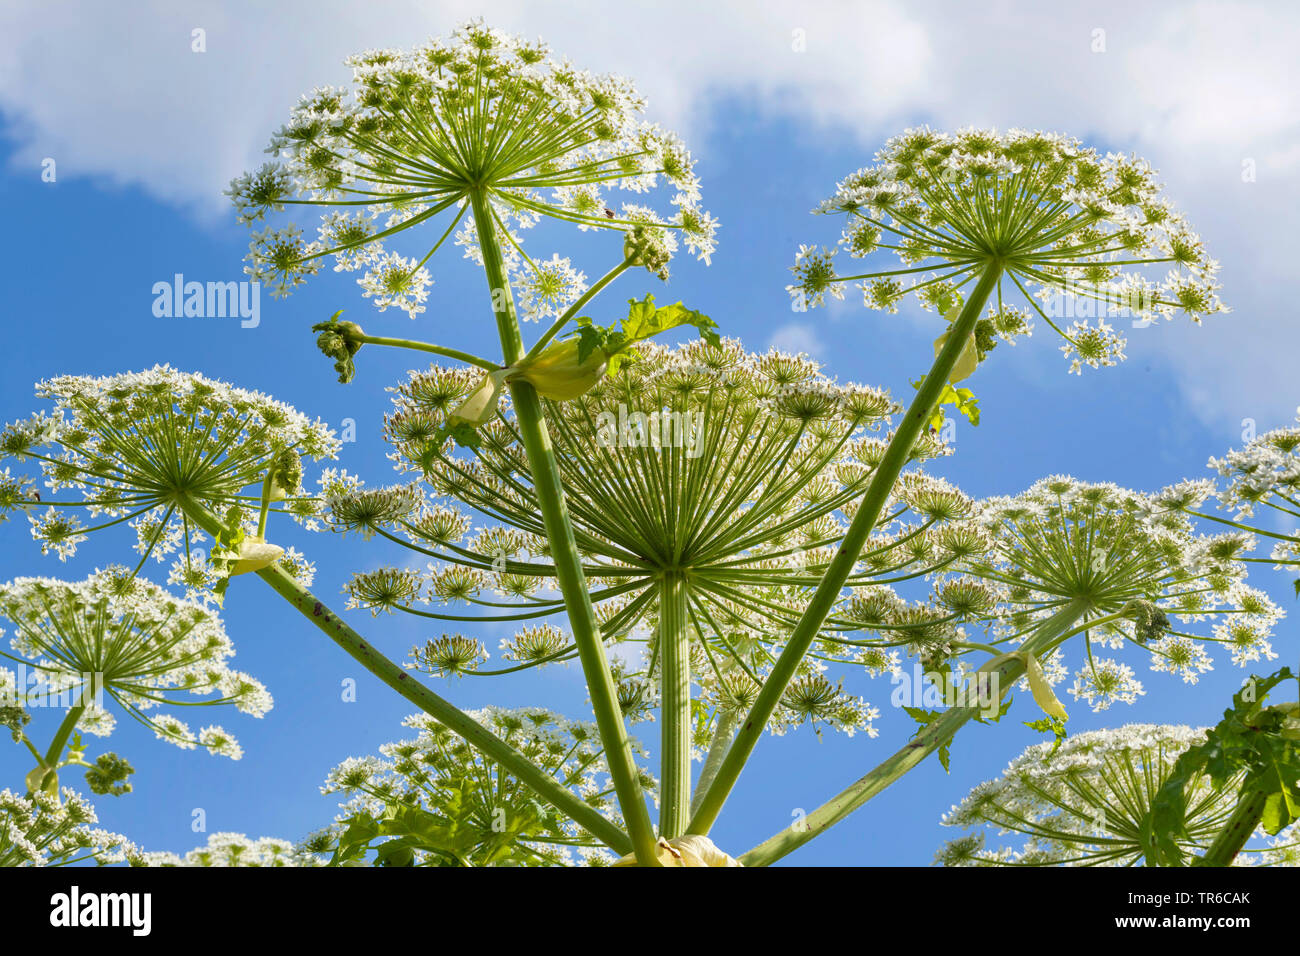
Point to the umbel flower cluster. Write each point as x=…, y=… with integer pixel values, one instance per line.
x=1087, y=803
x=230, y=850
x=155, y=450
x=120, y=638
x=747, y=530
x=1261, y=487
x=437, y=799
x=43, y=829
x=1068, y=232
x=1115, y=566
x=484, y=118
x=729, y=474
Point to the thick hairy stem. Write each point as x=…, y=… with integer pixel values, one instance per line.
x=675, y=709
x=1236, y=831
x=46, y=777
x=1007, y=670
x=850, y=549
x=991, y=682
x=564, y=551
x=446, y=713
x=722, y=735
x=62, y=734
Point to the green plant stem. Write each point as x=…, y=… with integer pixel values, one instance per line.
x=1001, y=673
x=675, y=708
x=722, y=735
x=850, y=549
x=61, y=736
x=1236, y=831
x=266, y=506
x=1008, y=669
x=564, y=551
x=48, y=766
x=418, y=346
x=446, y=713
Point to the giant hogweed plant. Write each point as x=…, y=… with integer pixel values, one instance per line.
x=491, y=134
x=709, y=489
x=794, y=541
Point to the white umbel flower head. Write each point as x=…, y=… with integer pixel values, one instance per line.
x=114, y=637
x=481, y=114
x=742, y=470
x=437, y=776
x=232, y=850
x=1087, y=802
x=1075, y=234
x=1111, y=569
x=45, y=829
x=145, y=449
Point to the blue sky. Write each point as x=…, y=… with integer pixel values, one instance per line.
x=145, y=134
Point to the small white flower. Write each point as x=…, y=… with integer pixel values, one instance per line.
x=394, y=280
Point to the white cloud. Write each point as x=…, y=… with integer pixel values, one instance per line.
x=796, y=337
x=113, y=91
x=116, y=91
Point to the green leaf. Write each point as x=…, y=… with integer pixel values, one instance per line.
x=645, y=320
x=1250, y=739
x=1002, y=712
x=462, y=433
x=395, y=853
x=1050, y=725
x=590, y=338
x=962, y=399
x=1280, y=810
x=967, y=404
x=945, y=754
x=219, y=591
x=923, y=717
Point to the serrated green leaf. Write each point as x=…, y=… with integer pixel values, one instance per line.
x=590, y=338
x=922, y=716
x=1249, y=738
x=644, y=320
x=1050, y=725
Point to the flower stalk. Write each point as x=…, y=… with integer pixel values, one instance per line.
x=445, y=712
x=456, y=354
x=999, y=673
x=850, y=548
x=568, y=562
x=722, y=734
x=675, y=681
x=1243, y=822
x=44, y=778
